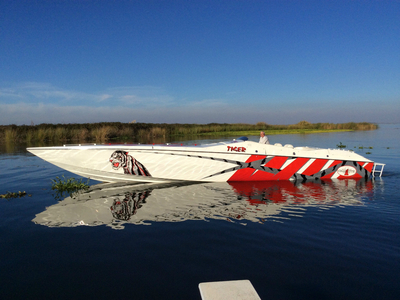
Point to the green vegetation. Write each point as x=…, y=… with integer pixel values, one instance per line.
x=9, y=195
x=341, y=145
x=144, y=132
x=68, y=186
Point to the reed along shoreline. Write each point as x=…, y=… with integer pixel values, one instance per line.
x=108, y=131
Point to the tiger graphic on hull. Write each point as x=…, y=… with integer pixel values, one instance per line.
x=121, y=159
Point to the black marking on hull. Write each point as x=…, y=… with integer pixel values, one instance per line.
x=361, y=171
x=259, y=165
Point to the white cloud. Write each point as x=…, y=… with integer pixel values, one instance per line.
x=34, y=92
x=44, y=103
x=8, y=93
x=130, y=99
x=104, y=97
x=208, y=103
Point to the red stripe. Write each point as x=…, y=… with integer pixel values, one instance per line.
x=250, y=174
x=276, y=162
x=334, y=163
x=292, y=168
x=315, y=167
x=329, y=175
x=255, y=157
x=368, y=166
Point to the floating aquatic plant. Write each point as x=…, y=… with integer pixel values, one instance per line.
x=341, y=145
x=9, y=195
x=68, y=186
x=363, y=147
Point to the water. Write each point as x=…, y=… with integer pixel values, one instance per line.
x=332, y=240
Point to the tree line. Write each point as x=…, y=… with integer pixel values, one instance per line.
x=107, y=131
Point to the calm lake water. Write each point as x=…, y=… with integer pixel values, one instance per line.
x=315, y=240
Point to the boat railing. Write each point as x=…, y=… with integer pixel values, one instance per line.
x=378, y=168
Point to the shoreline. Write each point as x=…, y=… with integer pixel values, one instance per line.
x=143, y=132
x=276, y=132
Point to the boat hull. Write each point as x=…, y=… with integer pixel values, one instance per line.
x=222, y=162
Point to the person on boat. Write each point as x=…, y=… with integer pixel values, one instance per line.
x=263, y=138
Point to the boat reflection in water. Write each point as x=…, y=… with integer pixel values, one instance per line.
x=115, y=205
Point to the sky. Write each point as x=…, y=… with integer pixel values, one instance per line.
x=278, y=62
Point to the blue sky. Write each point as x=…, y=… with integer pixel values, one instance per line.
x=277, y=62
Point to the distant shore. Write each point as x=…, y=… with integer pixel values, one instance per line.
x=142, y=132
x=284, y=131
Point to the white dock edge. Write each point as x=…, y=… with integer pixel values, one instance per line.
x=232, y=290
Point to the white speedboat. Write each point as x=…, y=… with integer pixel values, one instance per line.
x=238, y=160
